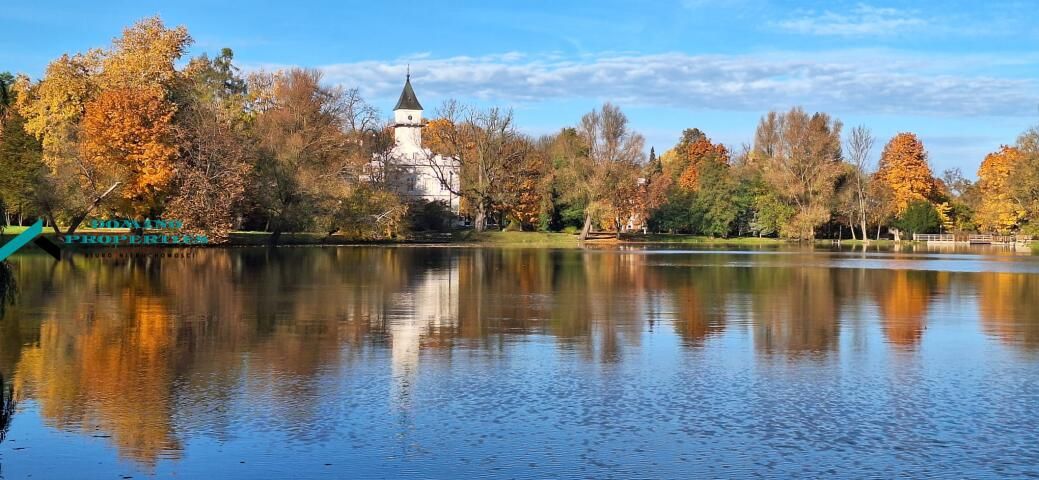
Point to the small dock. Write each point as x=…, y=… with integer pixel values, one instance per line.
x=972, y=239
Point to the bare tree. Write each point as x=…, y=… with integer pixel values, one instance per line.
x=859, y=145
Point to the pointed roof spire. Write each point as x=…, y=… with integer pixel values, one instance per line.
x=408, y=100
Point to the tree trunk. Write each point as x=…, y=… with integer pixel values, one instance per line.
x=852, y=228
x=865, y=237
x=898, y=235
x=480, y=222
x=878, y=232
x=587, y=227
x=78, y=219
x=54, y=224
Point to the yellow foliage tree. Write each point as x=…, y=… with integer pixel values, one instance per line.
x=106, y=116
x=997, y=211
x=904, y=170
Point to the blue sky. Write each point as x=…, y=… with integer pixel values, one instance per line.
x=963, y=75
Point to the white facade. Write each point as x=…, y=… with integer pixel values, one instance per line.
x=413, y=171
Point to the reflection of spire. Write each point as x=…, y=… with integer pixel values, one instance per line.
x=430, y=305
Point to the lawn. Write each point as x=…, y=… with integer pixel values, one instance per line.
x=494, y=238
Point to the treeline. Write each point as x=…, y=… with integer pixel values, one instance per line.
x=124, y=132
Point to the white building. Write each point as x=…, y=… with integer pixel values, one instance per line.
x=411, y=169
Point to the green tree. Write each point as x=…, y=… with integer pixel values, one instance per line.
x=919, y=217
x=22, y=185
x=714, y=207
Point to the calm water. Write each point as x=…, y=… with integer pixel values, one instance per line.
x=451, y=362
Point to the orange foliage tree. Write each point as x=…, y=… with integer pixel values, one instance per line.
x=693, y=155
x=905, y=172
x=129, y=132
x=997, y=211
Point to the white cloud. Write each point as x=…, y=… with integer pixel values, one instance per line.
x=862, y=20
x=847, y=81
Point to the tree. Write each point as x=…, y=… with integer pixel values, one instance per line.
x=904, y=170
x=608, y=161
x=1024, y=184
x=860, y=144
x=128, y=136
x=919, y=217
x=997, y=210
x=714, y=208
x=105, y=117
x=53, y=109
x=802, y=156
x=22, y=185
x=693, y=154
x=215, y=153
x=6, y=96
x=489, y=154
x=302, y=152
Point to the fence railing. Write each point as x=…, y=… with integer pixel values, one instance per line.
x=934, y=237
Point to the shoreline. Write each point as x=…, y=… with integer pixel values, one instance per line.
x=470, y=238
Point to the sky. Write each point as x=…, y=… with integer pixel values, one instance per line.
x=963, y=75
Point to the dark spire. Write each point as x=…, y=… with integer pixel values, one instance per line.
x=408, y=100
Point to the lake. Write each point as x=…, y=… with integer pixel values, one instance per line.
x=446, y=362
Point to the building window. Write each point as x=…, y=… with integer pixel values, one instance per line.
x=411, y=183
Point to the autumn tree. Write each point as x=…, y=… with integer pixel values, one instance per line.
x=802, y=156
x=530, y=186
x=105, y=119
x=488, y=153
x=608, y=161
x=692, y=155
x=128, y=135
x=215, y=151
x=53, y=109
x=904, y=170
x=997, y=210
x=1024, y=185
x=301, y=150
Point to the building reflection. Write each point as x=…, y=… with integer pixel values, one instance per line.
x=140, y=349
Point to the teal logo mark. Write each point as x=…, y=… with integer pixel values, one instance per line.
x=27, y=236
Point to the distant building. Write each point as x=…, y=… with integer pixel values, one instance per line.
x=408, y=167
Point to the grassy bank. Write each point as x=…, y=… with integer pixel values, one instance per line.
x=697, y=239
x=500, y=239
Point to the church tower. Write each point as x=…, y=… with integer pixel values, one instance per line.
x=407, y=121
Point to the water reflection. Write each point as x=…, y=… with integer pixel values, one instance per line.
x=6, y=408
x=148, y=351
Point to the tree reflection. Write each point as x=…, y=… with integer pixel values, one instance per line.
x=8, y=286
x=1006, y=304
x=903, y=297
x=795, y=309
x=6, y=407
x=142, y=348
